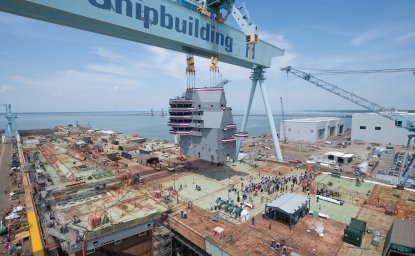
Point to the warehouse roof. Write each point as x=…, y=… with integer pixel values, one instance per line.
x=339, y=154
x=403, y=233
x=313, y=119
x=289, y=202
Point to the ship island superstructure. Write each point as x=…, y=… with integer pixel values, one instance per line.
x=204, y=124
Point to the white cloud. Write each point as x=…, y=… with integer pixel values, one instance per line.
x=148, y=77
x=74, y=81
x=4, y=88
x=170, y=63
x=365, y=37
x=275, y=39
x=108, y=69
x=406, y=37
x=109, y=55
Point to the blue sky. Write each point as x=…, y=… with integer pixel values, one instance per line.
x=47, y=67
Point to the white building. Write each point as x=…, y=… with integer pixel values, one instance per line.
x=335, y=157
x=371, y=127
x=312, y=129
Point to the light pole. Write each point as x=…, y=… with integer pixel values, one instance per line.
x=229, y=185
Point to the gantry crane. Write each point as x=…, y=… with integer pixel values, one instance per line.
x=220, y=10
x=10, y=129
x=240, y=13
x=189, y=26
x=401, y=121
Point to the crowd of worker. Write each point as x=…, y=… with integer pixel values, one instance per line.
x=271, y=184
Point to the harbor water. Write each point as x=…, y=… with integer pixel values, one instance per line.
x=146, y=126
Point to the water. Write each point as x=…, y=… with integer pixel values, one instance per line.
x=146, y=126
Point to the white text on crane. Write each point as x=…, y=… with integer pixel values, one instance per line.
x=160, y=17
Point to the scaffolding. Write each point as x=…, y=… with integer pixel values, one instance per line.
x=162, y=239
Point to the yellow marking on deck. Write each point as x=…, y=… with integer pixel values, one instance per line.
x=34, y=229
x=35, y=238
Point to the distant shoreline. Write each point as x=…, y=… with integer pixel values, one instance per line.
x=299, y=112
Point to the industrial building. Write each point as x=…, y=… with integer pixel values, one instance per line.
x=312, y=129
x=337, y=158
x=373, y=128
x=401, y=238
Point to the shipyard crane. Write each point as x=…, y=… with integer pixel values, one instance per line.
x=170, y=24
x=10, y=129
x=400, y=120
x=240, y=14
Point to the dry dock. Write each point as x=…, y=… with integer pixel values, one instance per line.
x=103, y=193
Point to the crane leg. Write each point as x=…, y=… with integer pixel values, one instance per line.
x=410, y=136
x=271, y=121
x=246, y=114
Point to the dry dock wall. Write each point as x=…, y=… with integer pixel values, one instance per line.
x=190, y=234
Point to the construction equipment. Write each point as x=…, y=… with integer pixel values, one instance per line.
x=222, y=83
x=157, y=167
x=216, y=7
x=3, y=229
x=190, y=71
x=283, y=121
x=240, y=13
x=10, y=129
x=401, y=121
x=75, y=219
x=181, y=158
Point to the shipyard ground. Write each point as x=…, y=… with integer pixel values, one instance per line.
x=8, y=183
x=104, y=198
x=244, y=238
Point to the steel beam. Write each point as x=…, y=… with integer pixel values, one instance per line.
x=278, y=154
x=257, y=75
x=246, y=114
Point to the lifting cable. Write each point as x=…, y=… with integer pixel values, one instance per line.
x=214, y=60
x=190, y=71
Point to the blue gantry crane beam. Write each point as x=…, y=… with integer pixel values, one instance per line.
x=195, y=27
x=400, y=120
x=163, y=23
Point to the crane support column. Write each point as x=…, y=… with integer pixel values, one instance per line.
x=410, y=136
x=246, y=114
x=264, y=91
x=257, y=75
